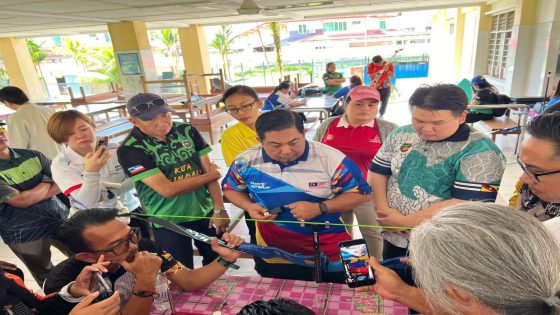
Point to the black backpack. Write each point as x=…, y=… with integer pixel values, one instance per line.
x=501, y=99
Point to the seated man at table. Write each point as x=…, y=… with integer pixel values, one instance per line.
x=306, y=180
x=435, y=162
x=95, y=232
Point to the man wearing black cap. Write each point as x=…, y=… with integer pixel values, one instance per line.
x=29, y=213
x=169, y=164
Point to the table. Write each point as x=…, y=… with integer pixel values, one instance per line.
x=56, y=101
x=527, y=99
x=322, y=104
x=229, y=294
x=97, y=109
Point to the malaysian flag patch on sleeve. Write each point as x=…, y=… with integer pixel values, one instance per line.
x=136, y=169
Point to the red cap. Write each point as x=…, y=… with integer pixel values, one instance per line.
x=362, y=92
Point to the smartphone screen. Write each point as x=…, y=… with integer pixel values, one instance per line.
x=99, y=283
x=355, y=260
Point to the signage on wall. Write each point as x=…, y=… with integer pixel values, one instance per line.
x=129, y=63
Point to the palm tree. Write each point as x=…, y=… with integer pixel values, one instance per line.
x=38, y=55
x=79, y=52
x=275, y=29
x=222, y=41
x=169, y=38
x=107, y=64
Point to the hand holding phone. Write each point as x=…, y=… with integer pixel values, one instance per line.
x=101, y=142
x=103, y=287
x=355, y=261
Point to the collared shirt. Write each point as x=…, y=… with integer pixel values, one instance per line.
x=319, y=174
x=23, y=171
x=142, y=156
x=102, y=189
x=467, y=166
x=237, y=139
x=537, y=207
x=28, y=130
x=360, y=144
x=329, y=88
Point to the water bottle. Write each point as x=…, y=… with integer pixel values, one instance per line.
x=162, y=301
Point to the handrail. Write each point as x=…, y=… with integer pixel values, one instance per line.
x=184, y=82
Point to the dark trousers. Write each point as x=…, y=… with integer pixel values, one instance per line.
x=392, y=251
x=473, y=117
x=294, y=272
x=384, y=94
x=252, y=226
x=180, y=246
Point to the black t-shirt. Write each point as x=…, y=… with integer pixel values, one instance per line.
x=68, y=270
x=486, y=97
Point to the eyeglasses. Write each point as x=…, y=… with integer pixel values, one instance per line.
x=122, y=246
x=243, y=108
x=145, y=106
x=533, y=175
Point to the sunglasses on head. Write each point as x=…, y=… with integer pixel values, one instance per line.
x=140, y=108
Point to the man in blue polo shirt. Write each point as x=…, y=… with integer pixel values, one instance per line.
x=307, y=180
x=435, y=162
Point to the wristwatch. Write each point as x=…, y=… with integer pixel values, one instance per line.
x=227, y=264
x=323, y=208
x=217, y=211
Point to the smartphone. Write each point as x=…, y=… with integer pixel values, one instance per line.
x=102, y=286
x=355, y=260
x=101, y=142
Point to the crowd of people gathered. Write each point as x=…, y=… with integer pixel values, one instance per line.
x=424, y=192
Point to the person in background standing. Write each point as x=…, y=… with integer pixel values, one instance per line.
x=28, y=124
x=359, y=135
x=333, y=80
x=380, y=73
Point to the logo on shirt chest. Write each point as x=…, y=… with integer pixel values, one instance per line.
x=329, y=137
x=405, y=147
x=377, y=139
x=259, y=186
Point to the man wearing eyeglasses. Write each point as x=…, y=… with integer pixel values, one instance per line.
x=29, y=212
x=134, y=262
x=169, y=164
x=539, y=157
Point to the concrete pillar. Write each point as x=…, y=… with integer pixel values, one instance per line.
x=20, y=68
x=483, y=40
x=131, y=38
x=195, y=56
x=459, y=35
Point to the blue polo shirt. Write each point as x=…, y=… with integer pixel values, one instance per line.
x=319, y=174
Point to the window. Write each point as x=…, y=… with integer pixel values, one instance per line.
x=302, y=29
x=498, y=47
x=451, y=28
x=334, y=26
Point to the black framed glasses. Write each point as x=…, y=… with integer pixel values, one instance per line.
x=140, y=108
x=123, y=246
x=243, y=108
x=533, y=175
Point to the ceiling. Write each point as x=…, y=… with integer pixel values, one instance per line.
x=36, y=18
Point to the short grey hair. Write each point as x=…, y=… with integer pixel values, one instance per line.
x=502, y=257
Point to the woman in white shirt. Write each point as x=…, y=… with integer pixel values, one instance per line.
x=90, y=179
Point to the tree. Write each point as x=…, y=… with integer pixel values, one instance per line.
x=169, y=38
x=275, y=29
x=38, y=54
x=106, y=64
x=222, y=41
x=78, y=52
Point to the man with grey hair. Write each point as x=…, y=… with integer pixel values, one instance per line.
x=502, y=262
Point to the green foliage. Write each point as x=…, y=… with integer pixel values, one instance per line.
x=106, y=65
x=222, y=42
x=37, y=52
x=4, y=79
x=78, y=52
x=169, y=38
